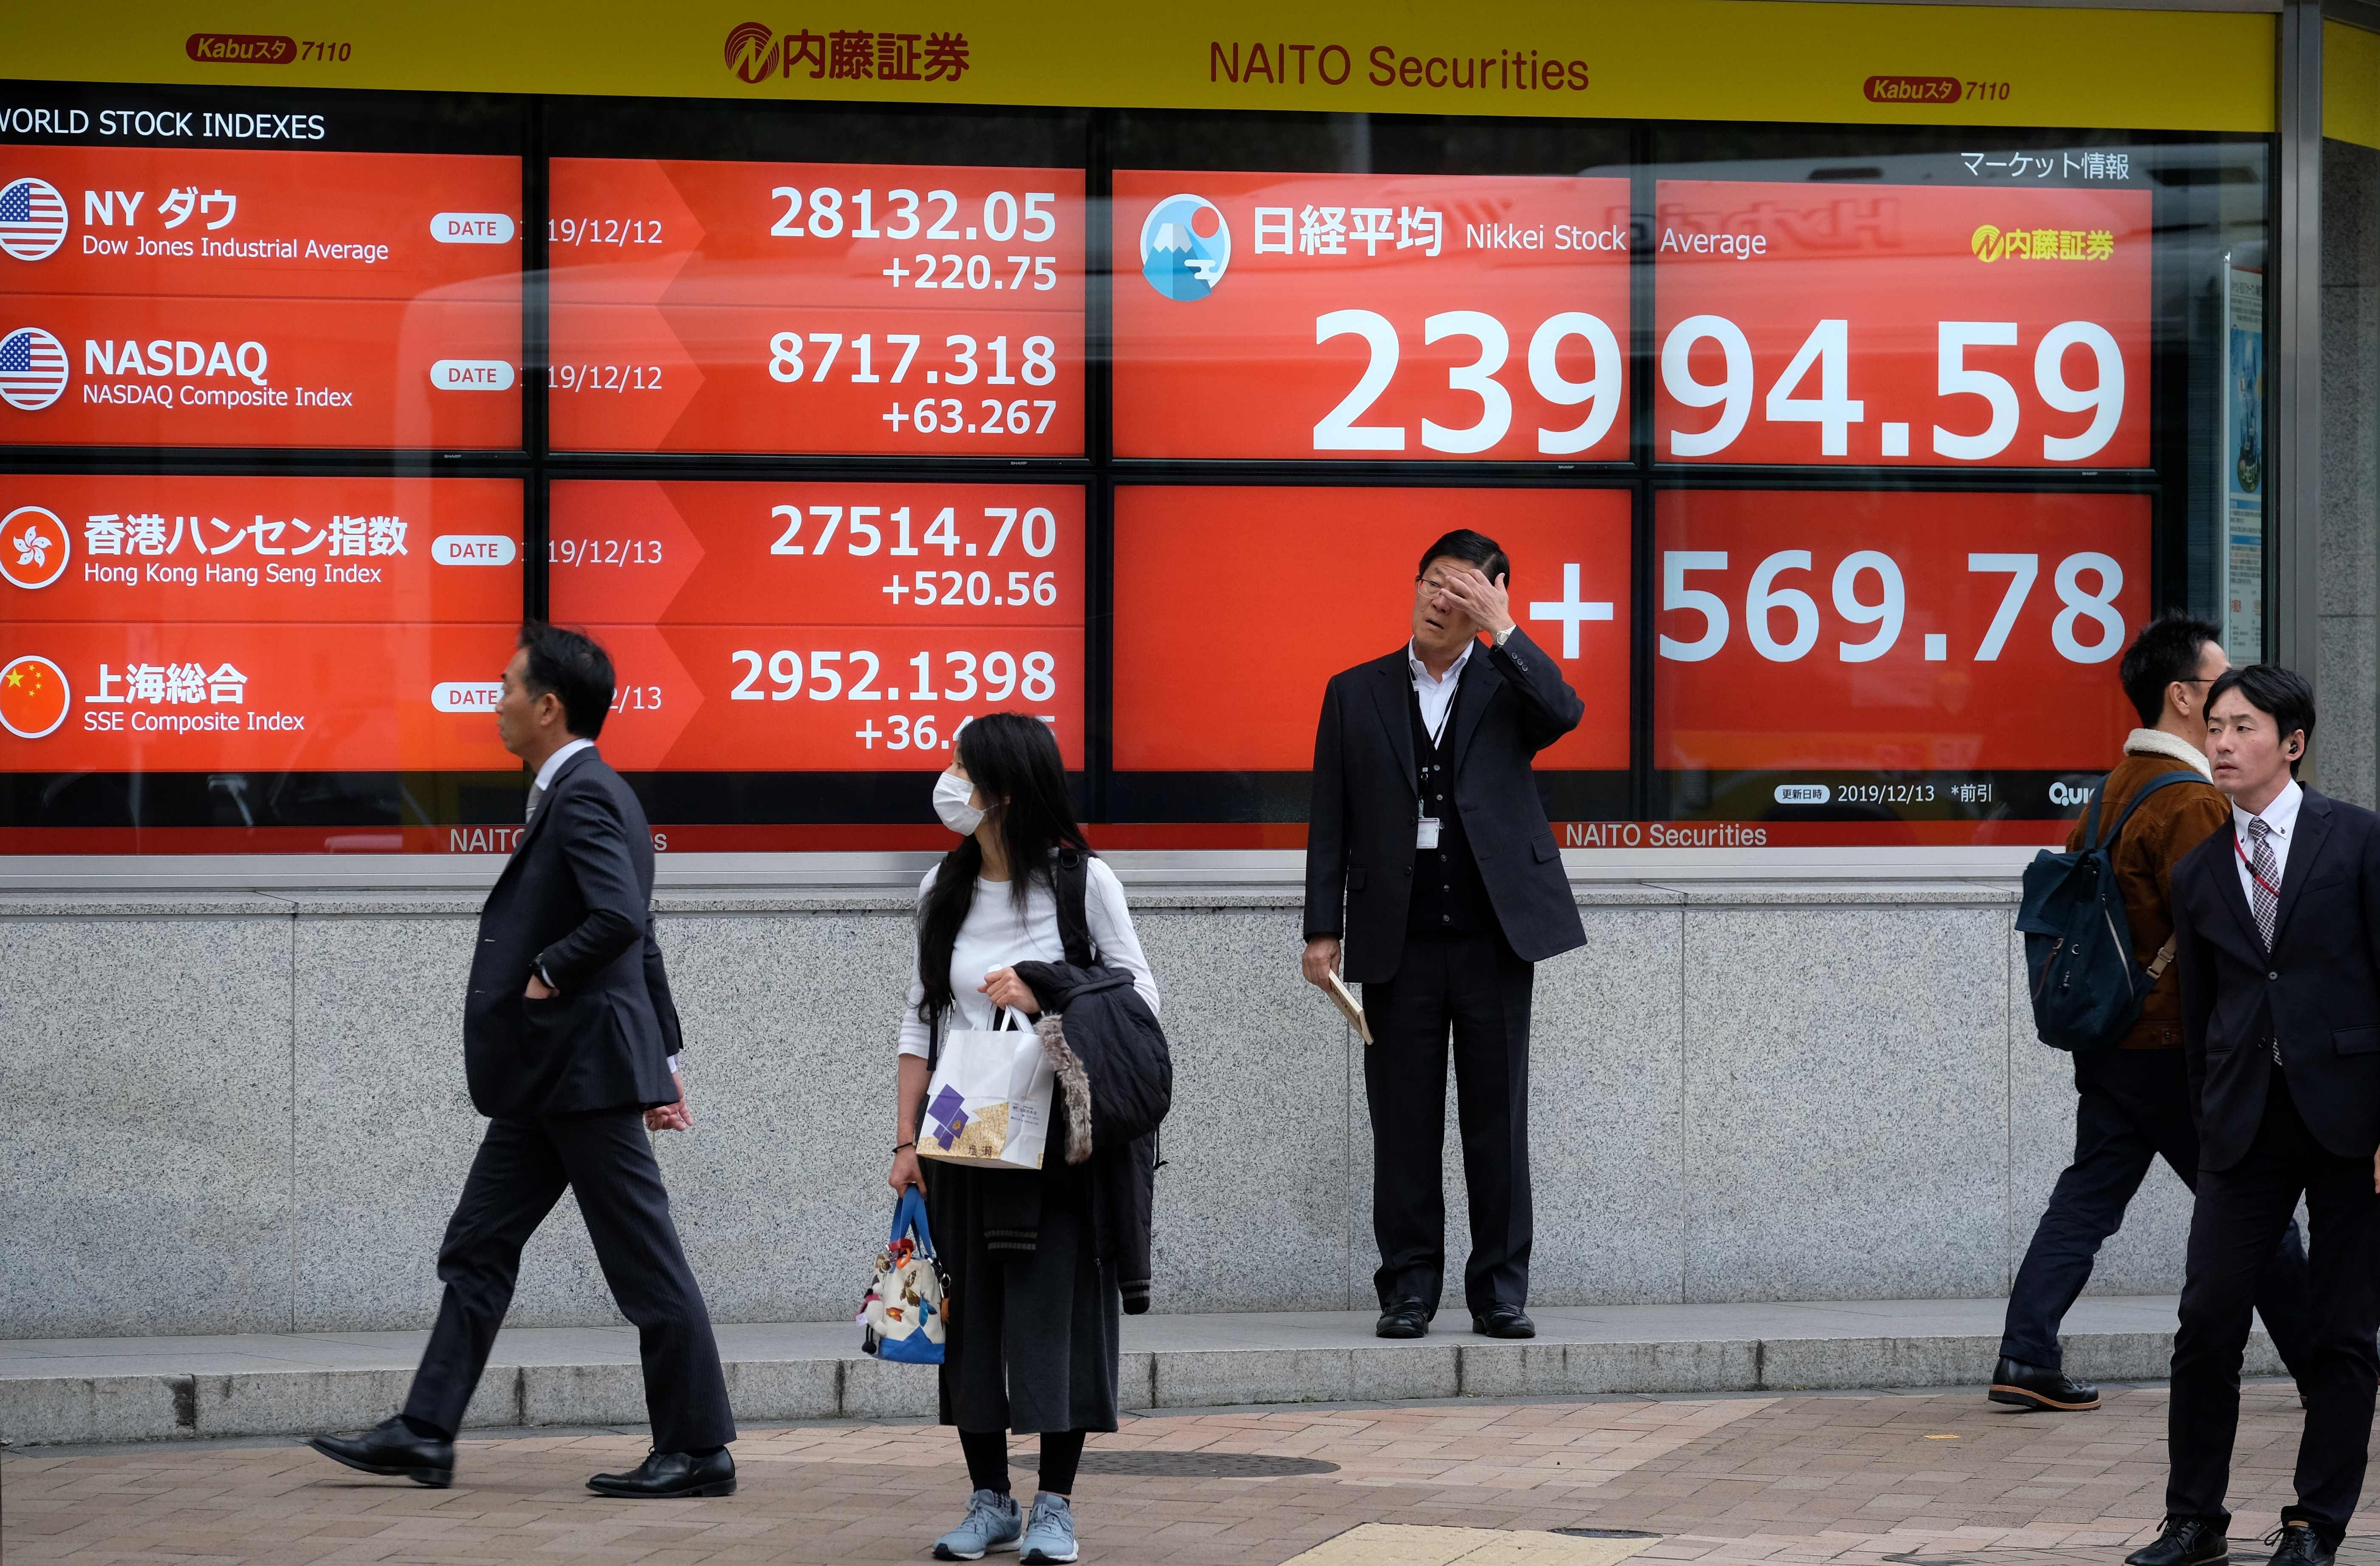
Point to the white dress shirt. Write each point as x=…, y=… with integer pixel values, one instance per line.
x=1436, y=693
x=996, y=934
x=2281, y=815
x=553, y=763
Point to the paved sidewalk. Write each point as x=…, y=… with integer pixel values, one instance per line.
x=161, y=1389
x=1827, y=1479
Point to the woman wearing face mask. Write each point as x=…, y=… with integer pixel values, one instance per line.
x=1032, y=1343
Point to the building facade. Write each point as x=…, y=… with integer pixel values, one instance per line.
x=1848, y=381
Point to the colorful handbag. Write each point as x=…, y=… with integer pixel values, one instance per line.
x=903, y=1312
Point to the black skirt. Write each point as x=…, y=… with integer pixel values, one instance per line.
x=1033, y=1338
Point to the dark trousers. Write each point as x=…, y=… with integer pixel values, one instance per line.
x=2240, y=1213
x=607, y=1161
x=2134, y=1108
x=1474, y=987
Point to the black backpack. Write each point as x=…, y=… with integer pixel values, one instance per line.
x=2087, y=987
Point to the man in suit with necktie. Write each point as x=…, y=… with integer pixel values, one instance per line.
x=2277, y=923
x=570, y=1044
x=1429, y=857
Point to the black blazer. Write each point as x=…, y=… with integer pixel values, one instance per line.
x=2317, y=992
x=1359, y=848
x=575, y=898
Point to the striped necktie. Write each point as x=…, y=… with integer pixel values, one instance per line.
x=536, y=798
x=2265, y=877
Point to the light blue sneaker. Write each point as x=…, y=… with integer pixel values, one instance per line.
x=992, y=1522
x=1050, y=1534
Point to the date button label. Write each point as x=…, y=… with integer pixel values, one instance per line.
x=471, y=375
x=471, y=228
x=1804, y=794
x=466, y=695
x=473, y=549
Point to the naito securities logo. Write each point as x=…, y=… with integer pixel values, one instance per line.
x=1990, y=242
x=1185, y=246
x=755, y=54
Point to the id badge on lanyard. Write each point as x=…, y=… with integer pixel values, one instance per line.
x=1427, y=827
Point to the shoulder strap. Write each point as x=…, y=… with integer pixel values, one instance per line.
x=2154, y=783
x=1073, y=890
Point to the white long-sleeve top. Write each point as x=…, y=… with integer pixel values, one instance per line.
x=997, y=935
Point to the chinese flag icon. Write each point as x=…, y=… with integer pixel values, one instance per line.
x=33, y=697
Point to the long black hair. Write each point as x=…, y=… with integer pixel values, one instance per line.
x=1014, y=762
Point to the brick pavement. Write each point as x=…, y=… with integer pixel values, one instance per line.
x=1884, y=1479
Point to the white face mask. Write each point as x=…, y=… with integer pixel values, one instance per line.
x=951, y=795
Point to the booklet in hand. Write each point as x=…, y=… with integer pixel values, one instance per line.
x=1349, y=1007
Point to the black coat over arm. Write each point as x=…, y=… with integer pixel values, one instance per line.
x=1359, y=851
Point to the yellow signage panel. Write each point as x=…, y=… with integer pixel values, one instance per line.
x=2350, y=84
x=1677, y=60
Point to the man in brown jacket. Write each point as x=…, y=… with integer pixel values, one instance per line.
x=2134, y=1102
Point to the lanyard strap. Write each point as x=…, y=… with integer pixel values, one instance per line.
x=1446, y=716
x=2242, y=850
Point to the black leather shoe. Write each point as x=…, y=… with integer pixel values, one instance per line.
x=671, y=1473
x=2187, y=1541
x=1503, y=1321
x=2029, y=1386
x=1404, y=1319
x=391, y=1448
x=2300, y=1545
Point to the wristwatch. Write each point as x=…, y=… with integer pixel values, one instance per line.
x=1505, y=635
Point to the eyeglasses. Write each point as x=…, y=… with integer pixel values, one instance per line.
x=1428, y=586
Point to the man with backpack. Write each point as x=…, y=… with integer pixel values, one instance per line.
x=2133, y=1102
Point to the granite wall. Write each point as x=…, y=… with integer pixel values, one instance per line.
x=2347, y=753
x=246, y=1113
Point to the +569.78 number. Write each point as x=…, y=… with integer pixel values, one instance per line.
x=788, y=364
x=1763, y=599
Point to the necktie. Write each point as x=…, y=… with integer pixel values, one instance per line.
x=536, y=798
x=2265, y=877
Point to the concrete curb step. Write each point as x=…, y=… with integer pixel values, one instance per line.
x=127, y=1389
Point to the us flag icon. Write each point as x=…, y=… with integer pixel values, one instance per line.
x=32, y=218
x=32, y=369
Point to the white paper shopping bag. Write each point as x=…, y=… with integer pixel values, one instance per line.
x=989, y=1104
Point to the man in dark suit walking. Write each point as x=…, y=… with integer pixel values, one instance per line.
x=1431, y=870
x=570, y=1043
x=2276, y=919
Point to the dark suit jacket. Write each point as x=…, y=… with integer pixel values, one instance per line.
x=2318, y=992
x=575, y=898
x=1359, y=848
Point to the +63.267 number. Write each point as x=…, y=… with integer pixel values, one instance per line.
x=793, y=358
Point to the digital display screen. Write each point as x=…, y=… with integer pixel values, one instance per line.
x=178, y=296
x=822, y=628
x=1370, y=317
x=1916, y=325
x=1927, y=654
x=1322, y=579
x=833, y=308
x=192, y=624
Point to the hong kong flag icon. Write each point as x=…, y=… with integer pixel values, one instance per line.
x=33, y=697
